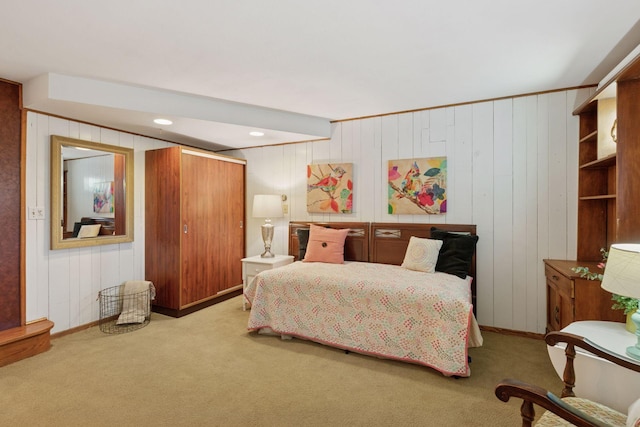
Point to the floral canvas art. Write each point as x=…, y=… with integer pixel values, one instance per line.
x=103, y=197
x=418, y=186
x=330, y=188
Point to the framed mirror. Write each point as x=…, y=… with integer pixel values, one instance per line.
x=91, y=193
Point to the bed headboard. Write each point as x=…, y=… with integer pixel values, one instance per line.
x=356, y=246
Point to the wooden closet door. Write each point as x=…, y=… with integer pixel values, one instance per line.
x=201, y=241
x=231, y=217
x=163, y=225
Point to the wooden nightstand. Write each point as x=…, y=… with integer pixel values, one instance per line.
x=255, y=264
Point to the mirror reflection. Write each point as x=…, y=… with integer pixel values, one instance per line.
x=91, y=193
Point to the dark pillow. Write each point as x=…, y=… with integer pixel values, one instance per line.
x=456, y=252
x=303, y=239
x=76, y=229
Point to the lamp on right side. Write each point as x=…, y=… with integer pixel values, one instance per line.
x=622, y=277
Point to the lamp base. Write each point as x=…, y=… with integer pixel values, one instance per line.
x=634, y=350
x=267, y=237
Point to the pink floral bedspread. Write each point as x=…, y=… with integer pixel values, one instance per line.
x=376, y=309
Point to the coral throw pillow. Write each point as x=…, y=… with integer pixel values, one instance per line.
x=422, y=254
x=326, y=245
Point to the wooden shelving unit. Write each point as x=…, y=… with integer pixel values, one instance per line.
x=609, y=187
x=608, y=199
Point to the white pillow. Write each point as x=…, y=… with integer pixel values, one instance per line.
x=422, y=254
x=89, y=231
x=633, y=414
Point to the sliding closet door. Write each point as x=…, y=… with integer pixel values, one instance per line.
x=201, y=238
x=230, y=214
x=163, y=225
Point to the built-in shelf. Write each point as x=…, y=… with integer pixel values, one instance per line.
x=604, y=162
x=608, y=187
x=591, y=137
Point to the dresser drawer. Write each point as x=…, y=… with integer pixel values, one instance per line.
x=561, y=283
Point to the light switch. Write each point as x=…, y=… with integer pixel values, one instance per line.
x=36, y=212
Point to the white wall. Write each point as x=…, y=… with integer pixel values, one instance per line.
x=62, y=285
x=512, y=171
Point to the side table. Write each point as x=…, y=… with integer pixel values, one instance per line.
x=598, y=379
x=255, y=264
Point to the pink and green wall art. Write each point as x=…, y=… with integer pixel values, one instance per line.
x=330, y=188
x=418, y=186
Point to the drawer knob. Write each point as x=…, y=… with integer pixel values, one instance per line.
x=554, y=277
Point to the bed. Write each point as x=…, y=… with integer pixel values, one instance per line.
x=370, y=304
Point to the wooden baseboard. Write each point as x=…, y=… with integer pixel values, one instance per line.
x=222, y=296
x=74, y=330
x=512, y=332
x=25, y=341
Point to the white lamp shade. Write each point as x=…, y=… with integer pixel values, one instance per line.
x=622, y=272
x=267, y=206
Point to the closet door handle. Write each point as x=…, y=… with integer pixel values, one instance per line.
x=185, y=229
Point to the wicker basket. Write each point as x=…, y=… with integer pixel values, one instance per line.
x=124, y=311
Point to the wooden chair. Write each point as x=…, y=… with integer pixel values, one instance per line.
x=575, y=410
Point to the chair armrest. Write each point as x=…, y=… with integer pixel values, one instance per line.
x=532, y=394
x=553, y=338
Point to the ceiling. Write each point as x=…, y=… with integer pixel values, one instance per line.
x=219, y=69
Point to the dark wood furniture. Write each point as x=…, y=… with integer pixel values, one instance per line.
x=533, y=395
x=608, y=199
x=10, y=211
x=385, y=243
x=571, y=298
x=194, y=235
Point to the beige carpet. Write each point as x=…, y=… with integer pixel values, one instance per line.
x=205, y=370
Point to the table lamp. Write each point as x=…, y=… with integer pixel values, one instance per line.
x=622, y=277
x=267, y=206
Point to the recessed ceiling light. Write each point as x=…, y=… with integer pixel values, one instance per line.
x=163, y=122
x=256, y=133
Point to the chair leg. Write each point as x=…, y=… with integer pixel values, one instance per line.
x=527, y=412
x=569, y=374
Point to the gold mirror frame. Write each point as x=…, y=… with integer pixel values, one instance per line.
x=58, y=241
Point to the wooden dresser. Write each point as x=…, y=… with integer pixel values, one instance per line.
x=571, y=298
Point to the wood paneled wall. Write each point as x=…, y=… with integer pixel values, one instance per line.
x=512, y=171
x=10, y=202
